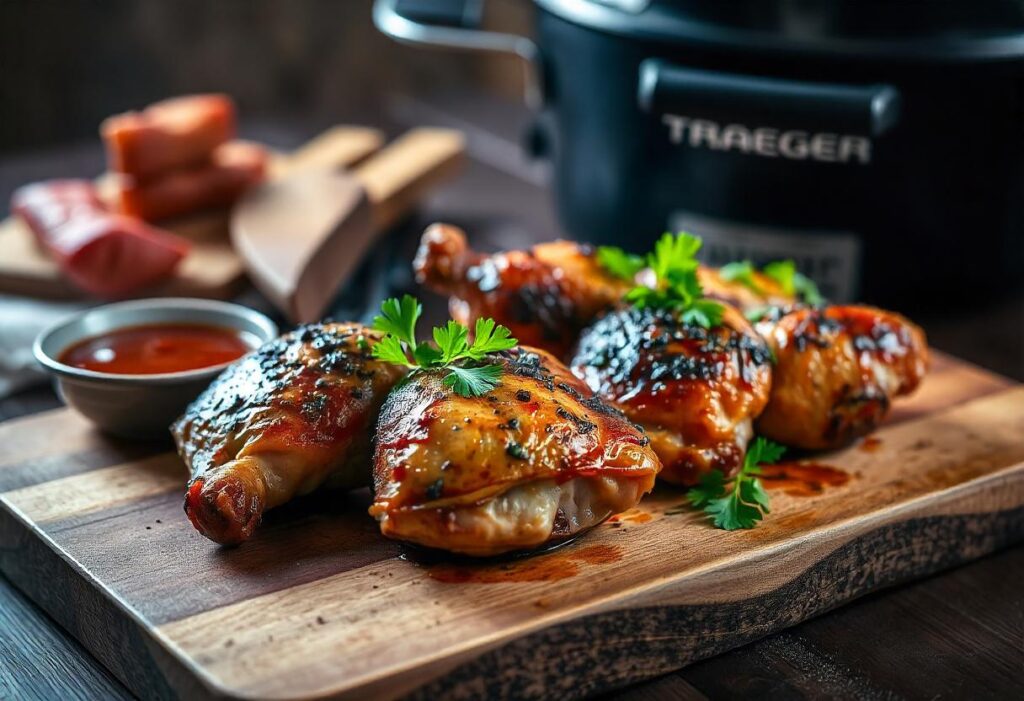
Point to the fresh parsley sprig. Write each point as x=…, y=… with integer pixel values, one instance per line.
x=742, y=272
x=468, y=373
x=674, y=265
x=792, y=282
x=620, y=263
x=783, y=272
x=739, y=502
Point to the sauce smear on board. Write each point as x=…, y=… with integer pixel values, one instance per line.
x=158, y=348
x=802, y=479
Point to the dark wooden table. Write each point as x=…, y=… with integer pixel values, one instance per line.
x=956, y=635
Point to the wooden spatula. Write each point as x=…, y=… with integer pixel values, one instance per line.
x=301, y=236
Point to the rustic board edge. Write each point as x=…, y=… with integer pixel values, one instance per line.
x=600, y=651
x=608, y=650
x=984, y=513
x=75, y=599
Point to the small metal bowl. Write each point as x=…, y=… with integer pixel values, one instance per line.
x=139, y=406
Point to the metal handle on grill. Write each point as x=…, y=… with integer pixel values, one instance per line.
x=453, y=24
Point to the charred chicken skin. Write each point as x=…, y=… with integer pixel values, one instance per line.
x=695, y=391
x=280, y=422
x=536, y=460
x=545, y=295
x=832, y=384
x=837, y=371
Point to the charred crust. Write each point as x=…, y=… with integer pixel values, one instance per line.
x=313, y=406
x=638, y=346
x=545, y=305
x=302, y=372
x=582, y=424
x=524, y=363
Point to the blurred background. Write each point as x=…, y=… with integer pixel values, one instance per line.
x=68, y=65
x=297, y=67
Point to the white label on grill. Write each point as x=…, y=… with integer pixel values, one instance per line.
x=768, y=142
x=830, y=258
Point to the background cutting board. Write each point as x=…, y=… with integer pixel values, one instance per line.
x=319, y=605
x=212, y=268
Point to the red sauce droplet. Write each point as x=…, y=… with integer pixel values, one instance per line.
x=546, y=568
x=802, y=479
x=158, y=348
x=871, y=444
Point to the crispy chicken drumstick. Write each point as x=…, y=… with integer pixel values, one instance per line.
x=297, y=413
x=545, y=295
x=839, y=367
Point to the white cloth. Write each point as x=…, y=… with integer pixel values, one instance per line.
x=21, y=320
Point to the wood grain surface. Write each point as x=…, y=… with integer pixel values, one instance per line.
x=319, y=605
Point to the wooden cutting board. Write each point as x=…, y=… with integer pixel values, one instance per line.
x=212, y=268
x=319, y=605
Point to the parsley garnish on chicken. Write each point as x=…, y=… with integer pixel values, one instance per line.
x=468, y=373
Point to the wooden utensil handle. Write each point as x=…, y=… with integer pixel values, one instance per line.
x=338, y=147
x=399, y=175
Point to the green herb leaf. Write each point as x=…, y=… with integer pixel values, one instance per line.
x=390, y=349
x=674, y=255
x=793, y=283
x=741, y=272
x=710, y=487
x=398, y=318
x=426, y=355
x=451, y=341
x=761, y=451
x=451, y=349
x=735, y=510
x=782, y=272
x=704, y=312
x=473, y=381
x=807, y=290
x=740, y=502
x=489, y=337
x=619, y=263
x=644, y=297
x=674, y=264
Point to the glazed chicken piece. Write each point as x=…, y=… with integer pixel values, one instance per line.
x=534, y=461
x=695, y=391
x=280, y=422
x=837, y=371
x=545, y=295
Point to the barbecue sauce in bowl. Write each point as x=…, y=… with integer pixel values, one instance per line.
x=154, y=349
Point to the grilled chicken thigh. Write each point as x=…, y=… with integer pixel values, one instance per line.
x=837, y=371
x=536, y=460
x=545, y=295
x=695, y=391
x=297, y=413
x=839, y=367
